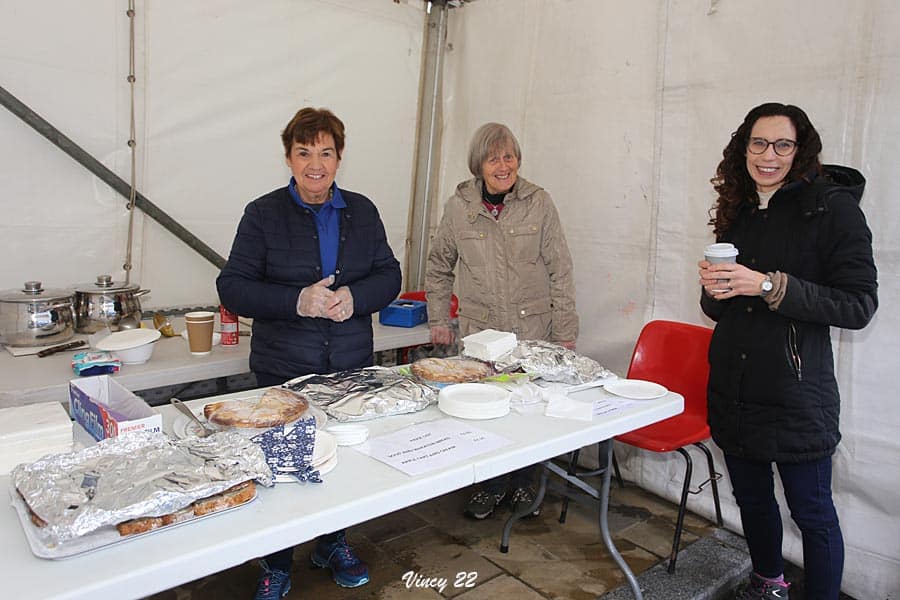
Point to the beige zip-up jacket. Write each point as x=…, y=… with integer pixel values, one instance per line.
x=514, y=274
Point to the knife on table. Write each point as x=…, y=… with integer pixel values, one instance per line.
x=60, y=348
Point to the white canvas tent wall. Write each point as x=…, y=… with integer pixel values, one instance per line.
x=622, y=109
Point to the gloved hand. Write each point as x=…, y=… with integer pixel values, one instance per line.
x=441, y=334
x=314, y=299
x=340, y=305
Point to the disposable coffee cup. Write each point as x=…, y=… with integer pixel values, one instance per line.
x=200, y=331
x=723, y=252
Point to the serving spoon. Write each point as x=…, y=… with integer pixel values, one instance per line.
x=205, y=430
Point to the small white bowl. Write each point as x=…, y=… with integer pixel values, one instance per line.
x=131, y=346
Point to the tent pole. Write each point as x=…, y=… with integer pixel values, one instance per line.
x=107, y=176
x=427, y=146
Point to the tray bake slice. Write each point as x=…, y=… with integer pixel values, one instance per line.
x=275, y=407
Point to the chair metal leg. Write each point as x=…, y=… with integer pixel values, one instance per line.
x=713, y=478
x=573, y=466
x=685, y=488
x=615, y=464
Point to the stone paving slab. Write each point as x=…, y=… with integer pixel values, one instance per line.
x=708, y=569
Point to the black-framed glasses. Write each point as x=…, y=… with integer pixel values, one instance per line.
x=782, y=147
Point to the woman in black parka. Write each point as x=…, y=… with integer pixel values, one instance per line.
x=804, y=265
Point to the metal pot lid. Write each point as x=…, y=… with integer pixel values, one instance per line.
x=106, y=285
x=34, y=291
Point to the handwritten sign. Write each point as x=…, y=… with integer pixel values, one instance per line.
x=430, y=446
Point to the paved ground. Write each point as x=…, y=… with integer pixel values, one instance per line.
x=433, y=543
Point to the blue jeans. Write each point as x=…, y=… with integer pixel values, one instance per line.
x=807, y=488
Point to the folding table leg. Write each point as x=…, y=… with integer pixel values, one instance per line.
x=516, y=517
x=604, y=529
x=604, y=510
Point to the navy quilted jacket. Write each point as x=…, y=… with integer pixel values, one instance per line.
x=276, y=253
x=772, y=391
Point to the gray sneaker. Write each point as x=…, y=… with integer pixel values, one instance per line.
x=482, y=504
x=521, y=499
x=759, y=589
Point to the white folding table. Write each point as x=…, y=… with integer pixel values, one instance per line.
x=358, y=489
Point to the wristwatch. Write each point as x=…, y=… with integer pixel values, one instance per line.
x=766, y=286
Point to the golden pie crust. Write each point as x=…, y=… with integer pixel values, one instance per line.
x=450, y=370
x=275, y=407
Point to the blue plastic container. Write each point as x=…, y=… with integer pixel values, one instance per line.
x=404, y=313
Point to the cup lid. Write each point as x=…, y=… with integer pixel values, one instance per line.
x=721, y=249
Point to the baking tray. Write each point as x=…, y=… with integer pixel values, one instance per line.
x=95, y=540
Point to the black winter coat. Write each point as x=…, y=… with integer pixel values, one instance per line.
x=772, y=391
x=276, y=253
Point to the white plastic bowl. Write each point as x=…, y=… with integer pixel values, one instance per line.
x=131, y=346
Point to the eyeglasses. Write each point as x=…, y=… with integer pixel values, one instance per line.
x=782, y=146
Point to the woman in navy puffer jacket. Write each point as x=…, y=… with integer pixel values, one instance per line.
x=310, y=264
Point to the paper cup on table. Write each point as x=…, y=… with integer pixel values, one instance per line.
x=724, y=252
x=199, y=326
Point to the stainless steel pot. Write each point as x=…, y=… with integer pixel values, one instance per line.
x=34, y=316
x=106, y=302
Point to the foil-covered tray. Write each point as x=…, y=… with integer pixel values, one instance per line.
x=364, y=394
x=143, y=474
x=552, y=362
x=96, y=540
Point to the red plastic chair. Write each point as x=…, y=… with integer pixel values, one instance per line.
x=675, y=355
x=420, y=296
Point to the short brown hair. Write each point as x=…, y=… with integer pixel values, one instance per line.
x=488, y=138
x=308, y=124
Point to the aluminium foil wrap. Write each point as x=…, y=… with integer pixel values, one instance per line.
x=135, y=475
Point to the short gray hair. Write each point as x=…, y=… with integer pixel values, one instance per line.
x=490, y=137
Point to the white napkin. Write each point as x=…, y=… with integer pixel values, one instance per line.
x=562, y=406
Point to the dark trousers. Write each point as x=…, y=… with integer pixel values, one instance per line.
x=807, y=489
x=524, y=477
x=284, y=559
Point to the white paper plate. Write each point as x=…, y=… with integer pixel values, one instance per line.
x=326, y=448
x=127, y=339
x=636, y=389
x=474, y=401
x=326, y=467
x=348, y=434
x=182, y=427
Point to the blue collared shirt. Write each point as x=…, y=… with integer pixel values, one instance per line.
x=328, y=224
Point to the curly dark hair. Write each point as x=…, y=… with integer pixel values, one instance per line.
x=733, y=182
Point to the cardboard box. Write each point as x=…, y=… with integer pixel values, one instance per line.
x=404, y=313
x=105, y=409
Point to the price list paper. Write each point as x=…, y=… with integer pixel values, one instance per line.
x=432, y=445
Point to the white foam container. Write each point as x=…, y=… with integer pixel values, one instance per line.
x=489, y=344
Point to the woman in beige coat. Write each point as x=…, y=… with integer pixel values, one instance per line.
x=503, y=235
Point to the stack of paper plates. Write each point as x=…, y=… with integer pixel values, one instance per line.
x=324, y=457
x=474, y=401
x=349, y=434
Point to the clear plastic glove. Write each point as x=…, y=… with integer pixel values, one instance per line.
x=340, y=305
x=441, y=334
x=314, y=299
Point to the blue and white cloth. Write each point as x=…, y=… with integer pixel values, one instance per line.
x=289, y=449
